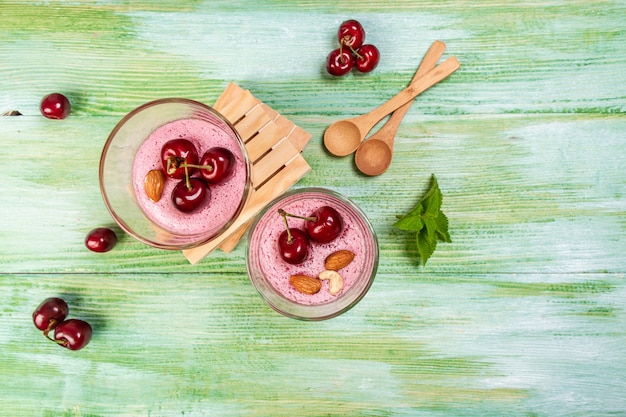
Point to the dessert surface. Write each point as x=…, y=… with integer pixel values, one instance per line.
x=225, y=197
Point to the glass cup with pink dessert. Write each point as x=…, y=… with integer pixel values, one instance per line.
x=312, y=254
x=174, y=173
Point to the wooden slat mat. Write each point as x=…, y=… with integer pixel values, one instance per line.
x=274, y=145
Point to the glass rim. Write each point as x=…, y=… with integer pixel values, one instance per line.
x=311, y=312
x=120, y=124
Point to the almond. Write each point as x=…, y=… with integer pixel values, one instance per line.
x=305, y=284
x=153, y=183
x=337, y=260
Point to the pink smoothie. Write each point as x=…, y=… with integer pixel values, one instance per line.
x=225, y=198
x=356, y=237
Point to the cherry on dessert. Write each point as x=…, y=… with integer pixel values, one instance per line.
x=55, y=106
x=50, y=313
x=293, y=243
x=367, y=57
x=351, y=34
x=324, y=225
x=189, y=194
x=339, y=62
x=73, y=334
x=216, y=165
x=177, y=153
x=101, y=239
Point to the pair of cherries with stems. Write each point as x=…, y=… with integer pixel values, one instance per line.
x=353, y=52
x=324, y=225
x=51, y=314
x=180, y=160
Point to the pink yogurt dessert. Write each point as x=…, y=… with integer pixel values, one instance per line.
x=270, y=273
x=225, y=198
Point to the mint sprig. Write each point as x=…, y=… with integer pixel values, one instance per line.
x=428, y=222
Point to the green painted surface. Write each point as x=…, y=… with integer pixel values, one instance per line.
x=521, y=315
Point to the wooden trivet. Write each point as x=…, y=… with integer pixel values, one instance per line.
x=274, y=145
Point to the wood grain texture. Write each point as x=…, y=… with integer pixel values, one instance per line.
x=521, y=315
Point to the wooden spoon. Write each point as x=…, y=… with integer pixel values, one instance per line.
x=344, y=136
x=373, y=156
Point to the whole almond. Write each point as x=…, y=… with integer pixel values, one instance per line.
x=153, y=183
x=337, y=260
x=305, y=284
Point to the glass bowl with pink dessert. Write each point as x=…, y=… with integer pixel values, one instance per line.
x=312, y=254
x=174, y=173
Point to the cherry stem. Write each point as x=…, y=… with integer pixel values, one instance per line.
x=358, y=56
x=207, y=167
x=344, y=41
x=343, y=61
x=51, y=326
x=283, y=213
x=187, y=182
x=172, y=162
x=46, y=333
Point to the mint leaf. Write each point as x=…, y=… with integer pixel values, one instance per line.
x=411, y=221
x=431, y=227
x=427, y=221
x=442, y=228
x=432, y=199
x=425, y=246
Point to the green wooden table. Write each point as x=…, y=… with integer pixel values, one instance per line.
x=521, y=315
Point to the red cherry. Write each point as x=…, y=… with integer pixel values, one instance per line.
x=101, y=239
x=351, y=33
x=50, y=313
x=325, y=224
x=55, y=106
x=175, y=153
x=339, y=62
x=367, y=58
x=189, y=194
x=221, y=161
x=293, y=245
x=73, y=334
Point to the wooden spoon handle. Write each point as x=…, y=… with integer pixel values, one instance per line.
x=432, y=77
x=429, y=61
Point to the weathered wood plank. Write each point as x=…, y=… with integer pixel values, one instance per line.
x=503, y=347
x=523, y=194
x=517, y=56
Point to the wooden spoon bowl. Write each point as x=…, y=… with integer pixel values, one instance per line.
x=374, y=157
x=343, y=137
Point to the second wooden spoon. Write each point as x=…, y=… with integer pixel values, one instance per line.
x=373, y=156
